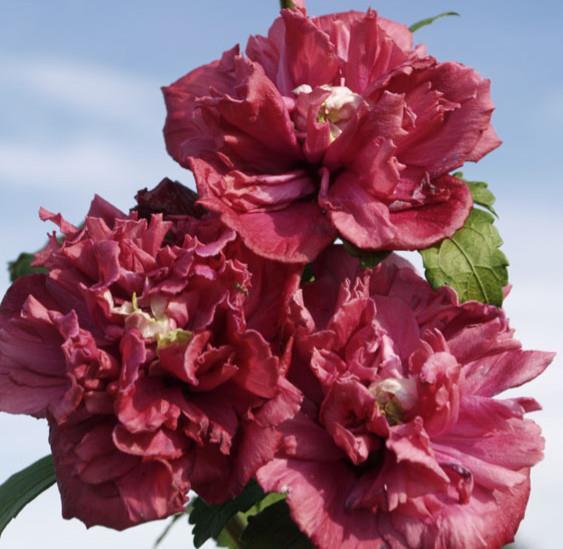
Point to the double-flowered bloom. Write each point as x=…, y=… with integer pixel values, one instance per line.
x=331, y=126
x=151, y=348
x=400, y=442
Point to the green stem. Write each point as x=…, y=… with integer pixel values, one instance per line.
x=234, y=528
x=286, y=4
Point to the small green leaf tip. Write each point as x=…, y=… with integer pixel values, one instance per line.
x=22, y=266
x=470, y=261
x=24, y=487
x=368, y=259
x=293, y=4
x=425, y=22
x=482, y=196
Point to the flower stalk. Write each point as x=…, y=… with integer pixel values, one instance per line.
x=234, y=530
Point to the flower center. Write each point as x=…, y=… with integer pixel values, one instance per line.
x=338, y=105
x=394, y=397
x=154, y=326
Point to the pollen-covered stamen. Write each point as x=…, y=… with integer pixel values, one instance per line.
x=154, y=326
x=176, y=336
x=339, y=107
x=394, y=398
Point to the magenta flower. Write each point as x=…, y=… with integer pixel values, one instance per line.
x=332, y=125
x=145, y=349
x=400, y=442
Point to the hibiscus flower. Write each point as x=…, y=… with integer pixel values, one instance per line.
x=144, y=349
x=400, y=441
x=331, y=126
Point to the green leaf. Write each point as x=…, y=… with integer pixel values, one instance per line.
x=470, y=261
x=274, y=529
x=482, y=196
x=227, y=539
x=425, y=22
x=209, y=520
x=24, y=487
x=269, y=499
x=22, y=266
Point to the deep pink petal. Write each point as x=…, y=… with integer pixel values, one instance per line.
x=314, y=495
x=372, y=53
x=296, y=234
x=147, y=405
x=488, y=142
x=102, y=209
x=157, y=444
x=491, y=375
x=309, y=57
x=229, y=93
x=33, y=376
x=464, y=108
x=152, y=491
x=258, y=369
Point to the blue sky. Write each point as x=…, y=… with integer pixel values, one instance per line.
x=81, y=112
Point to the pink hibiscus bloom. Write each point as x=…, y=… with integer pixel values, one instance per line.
x=145, y=350
x=400, y=442
x=333, y=125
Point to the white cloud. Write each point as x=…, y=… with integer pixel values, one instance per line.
x=84, y=165
x=88, y=164
x=111, y=145
x=89, y=89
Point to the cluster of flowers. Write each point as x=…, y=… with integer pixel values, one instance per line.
x=183, y=346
